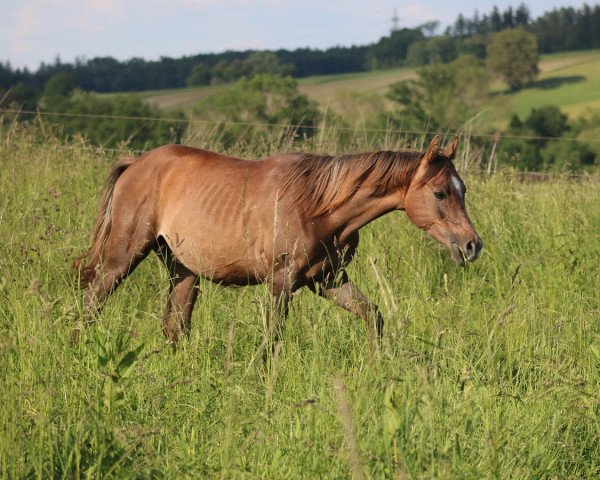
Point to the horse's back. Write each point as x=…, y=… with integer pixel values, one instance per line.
x=184, y=157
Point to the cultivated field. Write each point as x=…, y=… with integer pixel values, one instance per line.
x=492, y=371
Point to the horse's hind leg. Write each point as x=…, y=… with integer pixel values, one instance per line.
x=183, y=291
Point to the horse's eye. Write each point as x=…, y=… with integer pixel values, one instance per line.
x=439, y=195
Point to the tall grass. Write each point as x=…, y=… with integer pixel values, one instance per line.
x=492, y=371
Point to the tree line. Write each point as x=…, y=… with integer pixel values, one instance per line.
x=558, y=30
x=106, y=74
x=562, y=29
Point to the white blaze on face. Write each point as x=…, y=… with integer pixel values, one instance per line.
x=457, y=185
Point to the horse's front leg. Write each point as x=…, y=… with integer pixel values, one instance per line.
x=345, y=294
x=276, y=315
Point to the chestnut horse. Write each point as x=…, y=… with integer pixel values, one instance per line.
x=290, y=220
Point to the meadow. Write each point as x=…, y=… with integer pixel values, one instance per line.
x=491, y=371
x=568, y=80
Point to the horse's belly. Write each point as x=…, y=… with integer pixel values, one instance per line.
x=224, y=237
x=219, y=259
x=223, y=252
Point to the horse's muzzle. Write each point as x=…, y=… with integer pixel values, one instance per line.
x=470, y=251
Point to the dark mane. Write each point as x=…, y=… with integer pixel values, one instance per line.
x=322, y=183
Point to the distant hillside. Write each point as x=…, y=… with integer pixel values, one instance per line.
x=325, y=89
x=567, y=80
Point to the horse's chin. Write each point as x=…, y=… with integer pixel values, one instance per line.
x=457, y=254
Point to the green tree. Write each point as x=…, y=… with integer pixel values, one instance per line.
x=262, y=62
x=441, y=49
x=200, y=75
x=443, y=96
x=392, y=51
x=257, y=63
x=21, y=96
x=513, y=54
x=567, y=155
x=554, y=143
x=109, y=121
x=547, y=121
x=7, y=76
x=58, y=89
x=219, y=72
x=259, y=104
x=520, y=154
x=61, y=84
x=587, y=128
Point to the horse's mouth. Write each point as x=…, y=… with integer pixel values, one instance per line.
x=457, y=254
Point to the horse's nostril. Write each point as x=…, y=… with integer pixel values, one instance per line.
x=471, y=247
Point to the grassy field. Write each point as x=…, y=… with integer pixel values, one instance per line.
x=184, y=98
x=492, y=371
x=325, y=89
x=570, y=81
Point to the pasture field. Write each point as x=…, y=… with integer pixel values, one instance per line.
x=492, y=371
x=183, y=98
x=325, y=89
x=571, y=81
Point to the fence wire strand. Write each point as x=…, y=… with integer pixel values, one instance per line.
x=287, y=125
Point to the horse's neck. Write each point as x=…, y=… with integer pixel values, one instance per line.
x=363, y=208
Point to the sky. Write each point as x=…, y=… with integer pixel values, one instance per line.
x=32, y=31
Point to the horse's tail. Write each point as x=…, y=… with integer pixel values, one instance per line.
x=102, y=226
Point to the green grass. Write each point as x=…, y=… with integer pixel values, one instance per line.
x=183, y=98
x=571, y=82
x=492, y=371
x=330, y=90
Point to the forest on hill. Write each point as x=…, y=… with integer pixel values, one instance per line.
x=563, y=29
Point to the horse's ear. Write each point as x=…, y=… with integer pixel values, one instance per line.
x=432, y=151
x=450, y=150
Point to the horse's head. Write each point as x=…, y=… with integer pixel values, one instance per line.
x=435, y=202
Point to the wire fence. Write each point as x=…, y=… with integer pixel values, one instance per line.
x=194, y=121
x=532, y=177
